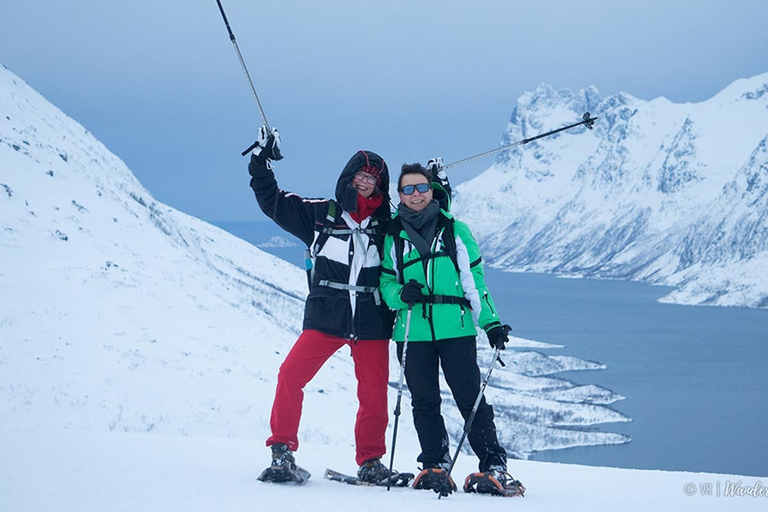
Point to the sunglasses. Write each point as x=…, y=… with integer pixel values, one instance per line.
x=407, y=190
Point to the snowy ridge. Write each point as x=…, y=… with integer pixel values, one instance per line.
x=119, y=313
x=670, y=194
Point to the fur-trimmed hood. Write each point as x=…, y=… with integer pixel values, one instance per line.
x=346, y=195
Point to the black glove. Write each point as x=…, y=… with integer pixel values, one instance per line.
x=267, y=146
x=411, y=292
x=498, y=336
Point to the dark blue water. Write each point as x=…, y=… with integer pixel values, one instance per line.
x=695, y=378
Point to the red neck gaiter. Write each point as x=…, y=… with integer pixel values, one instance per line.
x=366, y=206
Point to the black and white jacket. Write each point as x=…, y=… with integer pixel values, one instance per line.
x=352, y=258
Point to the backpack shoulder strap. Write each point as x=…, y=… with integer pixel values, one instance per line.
x=449, y=243
x=328, y=223
x=311, y=251
x=394, y=228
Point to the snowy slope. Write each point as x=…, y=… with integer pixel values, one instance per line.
x=667, y=193
x=118, y=313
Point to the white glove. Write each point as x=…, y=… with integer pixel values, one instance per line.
x=434, y=165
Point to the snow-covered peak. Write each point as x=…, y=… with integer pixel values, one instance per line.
x=615, y=201
x=752, y=89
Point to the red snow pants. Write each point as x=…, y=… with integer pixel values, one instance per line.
x=309, y=353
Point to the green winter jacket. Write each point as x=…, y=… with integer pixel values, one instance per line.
x=431, y=322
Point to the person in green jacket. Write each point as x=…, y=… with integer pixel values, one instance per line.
x=432, y=265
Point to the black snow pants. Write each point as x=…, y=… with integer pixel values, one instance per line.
x=458, y=358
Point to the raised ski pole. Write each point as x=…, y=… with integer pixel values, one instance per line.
x=468, y=424
x=247, y=75
x=399, y=395
x=586, y=120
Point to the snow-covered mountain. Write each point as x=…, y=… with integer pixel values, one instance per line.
x=666, y=193
x=118, y=313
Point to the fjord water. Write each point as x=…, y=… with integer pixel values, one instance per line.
x=694, y=378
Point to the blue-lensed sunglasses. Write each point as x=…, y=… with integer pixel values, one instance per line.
x=407, y=190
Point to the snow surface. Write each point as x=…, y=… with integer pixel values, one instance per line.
x=670, y=194
x=139, y=348
x=86, y=471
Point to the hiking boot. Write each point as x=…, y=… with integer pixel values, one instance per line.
x=282, y=456
x=373, y=471
x=499, y=472
x=283, y=467
x=444, y=466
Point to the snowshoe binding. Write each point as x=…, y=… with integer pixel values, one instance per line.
x=283, y=468
x=495, y=481
x=436, y=479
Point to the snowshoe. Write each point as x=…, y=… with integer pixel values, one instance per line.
x=495, y=483
x=283, y=468
x=397, y=479
x=436, y=479
x=278, y=474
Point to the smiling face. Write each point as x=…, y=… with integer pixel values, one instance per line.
x=418, y=200
x=364, y=183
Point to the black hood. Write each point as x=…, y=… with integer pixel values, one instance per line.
x=346, y=195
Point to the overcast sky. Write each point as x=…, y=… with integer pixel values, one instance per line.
x=160, y=84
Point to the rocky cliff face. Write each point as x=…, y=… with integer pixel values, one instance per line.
x=666, y=193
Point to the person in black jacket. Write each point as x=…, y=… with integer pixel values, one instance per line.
x=345, y=238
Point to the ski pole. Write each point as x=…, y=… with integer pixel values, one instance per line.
x=586, y=121
x=399, y=395
x=468, y=424
x=247, y=75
